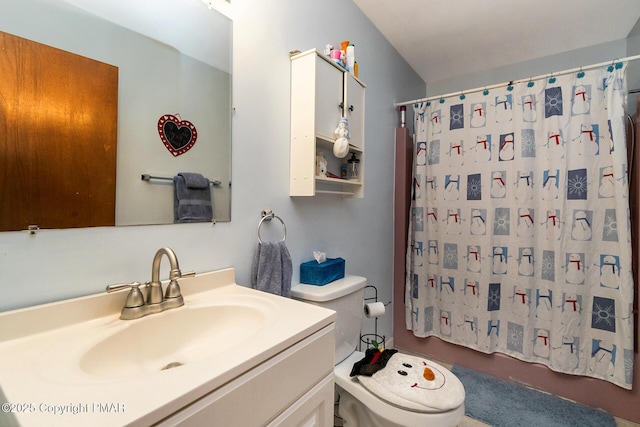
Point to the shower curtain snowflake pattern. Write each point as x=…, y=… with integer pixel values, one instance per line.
x=520, y=238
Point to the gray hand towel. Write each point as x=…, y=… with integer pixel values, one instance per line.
x=272, y=269
x=192, y=198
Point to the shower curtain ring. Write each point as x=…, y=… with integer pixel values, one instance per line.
x=580, y=73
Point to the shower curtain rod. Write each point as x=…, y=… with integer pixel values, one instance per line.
x=560, y=73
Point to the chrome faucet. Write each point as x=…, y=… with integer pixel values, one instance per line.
x=136, y=306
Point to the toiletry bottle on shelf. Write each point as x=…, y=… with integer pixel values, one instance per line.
x=344, y=171
x=355, y=68
x=351, y=57
x=353, y=172
x=403, y=112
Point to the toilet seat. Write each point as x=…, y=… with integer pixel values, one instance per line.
x=386, y=411
x=414, y=383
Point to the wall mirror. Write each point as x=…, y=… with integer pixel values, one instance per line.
x=173, y=58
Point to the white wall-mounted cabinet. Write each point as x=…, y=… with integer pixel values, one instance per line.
x=322, y=93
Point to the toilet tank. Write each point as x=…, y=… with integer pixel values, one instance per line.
x=346, y=297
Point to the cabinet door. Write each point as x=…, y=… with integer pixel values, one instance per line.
x=354, y=111
x=314, y=409
x=329, y=83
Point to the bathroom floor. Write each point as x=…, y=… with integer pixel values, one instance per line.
x=470, y=422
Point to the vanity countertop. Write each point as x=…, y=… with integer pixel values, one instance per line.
x=46, y=380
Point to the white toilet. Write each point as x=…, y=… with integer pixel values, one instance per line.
x=358, y=406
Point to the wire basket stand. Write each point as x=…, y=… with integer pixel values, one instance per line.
x=369, y=339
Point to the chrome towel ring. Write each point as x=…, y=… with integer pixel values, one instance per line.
x=268, y=215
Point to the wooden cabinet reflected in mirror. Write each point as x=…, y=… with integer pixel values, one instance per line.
x=58, y=139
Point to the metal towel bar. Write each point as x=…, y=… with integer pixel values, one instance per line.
x=147, y=177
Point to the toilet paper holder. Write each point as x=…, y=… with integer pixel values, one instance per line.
x=368, y=339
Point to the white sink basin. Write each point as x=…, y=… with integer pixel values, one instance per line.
x=173, y=338
x=69, y=355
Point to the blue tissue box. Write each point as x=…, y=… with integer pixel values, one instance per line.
x=314, y=273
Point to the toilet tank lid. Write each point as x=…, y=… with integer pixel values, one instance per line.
x=330, y=291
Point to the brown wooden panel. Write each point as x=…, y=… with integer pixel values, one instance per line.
x=58, y=133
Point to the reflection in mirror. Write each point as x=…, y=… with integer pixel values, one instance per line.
x=173, y=59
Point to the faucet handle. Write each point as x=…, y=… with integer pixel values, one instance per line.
x=135, y=297
x=121, y=286
x=177, y=274
x=173, y=288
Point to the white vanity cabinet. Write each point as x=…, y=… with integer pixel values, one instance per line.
x=295, y=388
x=322, y=93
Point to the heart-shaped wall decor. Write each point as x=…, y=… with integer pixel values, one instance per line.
x=176, y=134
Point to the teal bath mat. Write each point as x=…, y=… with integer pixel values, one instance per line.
x=504, y=404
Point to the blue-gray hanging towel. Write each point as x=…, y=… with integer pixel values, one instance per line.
x=192, y=198
x=272, y=268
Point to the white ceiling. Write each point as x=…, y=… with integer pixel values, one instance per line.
x=446, y=38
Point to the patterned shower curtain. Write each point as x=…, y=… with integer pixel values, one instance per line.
x=519, y=241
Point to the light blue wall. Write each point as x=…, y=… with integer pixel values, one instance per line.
x=58, y=264
x=565, y=61
x=633, y=71
x=596, y=54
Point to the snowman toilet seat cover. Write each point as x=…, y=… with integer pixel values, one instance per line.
x=417, y=384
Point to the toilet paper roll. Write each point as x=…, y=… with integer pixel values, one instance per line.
x=374, y=309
